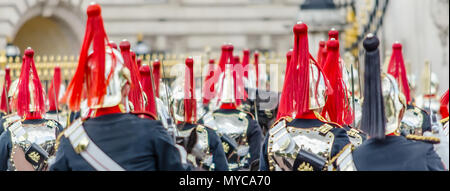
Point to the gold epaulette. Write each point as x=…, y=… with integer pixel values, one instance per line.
x=445, y=120
x=324, y=129
x=433, y=140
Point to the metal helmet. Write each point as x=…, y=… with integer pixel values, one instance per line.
x=119, y=77
x=394, y=103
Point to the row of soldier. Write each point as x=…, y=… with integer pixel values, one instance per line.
x=122, y=116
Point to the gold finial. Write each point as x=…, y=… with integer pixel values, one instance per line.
x=140, y=37
x=8, y=40
x=17, y=59
x=51, y=58
x=44, y=58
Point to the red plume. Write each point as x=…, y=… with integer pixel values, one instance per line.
x=208, y=85
x=139, y=62
x=256, y=63
x=113, y=44
x=225, y=58
x=190, y=106
x=4, y=100
x=288, y=60
x=135, y=95
x=337, y=105
x=7, y=78
x=94, y=72
x=157, y=75
x=133, y=58
x=398, y=71
x=295, y=95
x=23, y=100
x=53, y=92
x=444, y=105
x=147, y=86
x=320, y=58
x=333, y=33
x=239, y=92
x=246, y=61
x=4, y=97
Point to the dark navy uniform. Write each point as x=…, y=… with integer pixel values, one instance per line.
x=214, y=158
x=340, y=139
x=8, y=140
x=132, y=142
x=396, y=153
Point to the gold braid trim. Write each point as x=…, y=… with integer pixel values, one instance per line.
x=433, y=140
x=445, y=120
x=58, y=139
x=321, y=118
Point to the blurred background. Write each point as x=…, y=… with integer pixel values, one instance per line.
x=182, y=27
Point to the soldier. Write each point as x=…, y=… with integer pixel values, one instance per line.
x=340, y=83
x=260, y=103
x=337, y=106
x=203, y=145
x=53, y=101
x=382, y=111
x=109, y=139
x=302, y=140
x=28, y=140
x=239, y=131
x=415, y=120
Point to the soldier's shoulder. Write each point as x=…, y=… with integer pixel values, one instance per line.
x=423, y=139
x=8, y=120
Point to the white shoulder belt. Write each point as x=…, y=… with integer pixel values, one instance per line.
x=84, y=146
